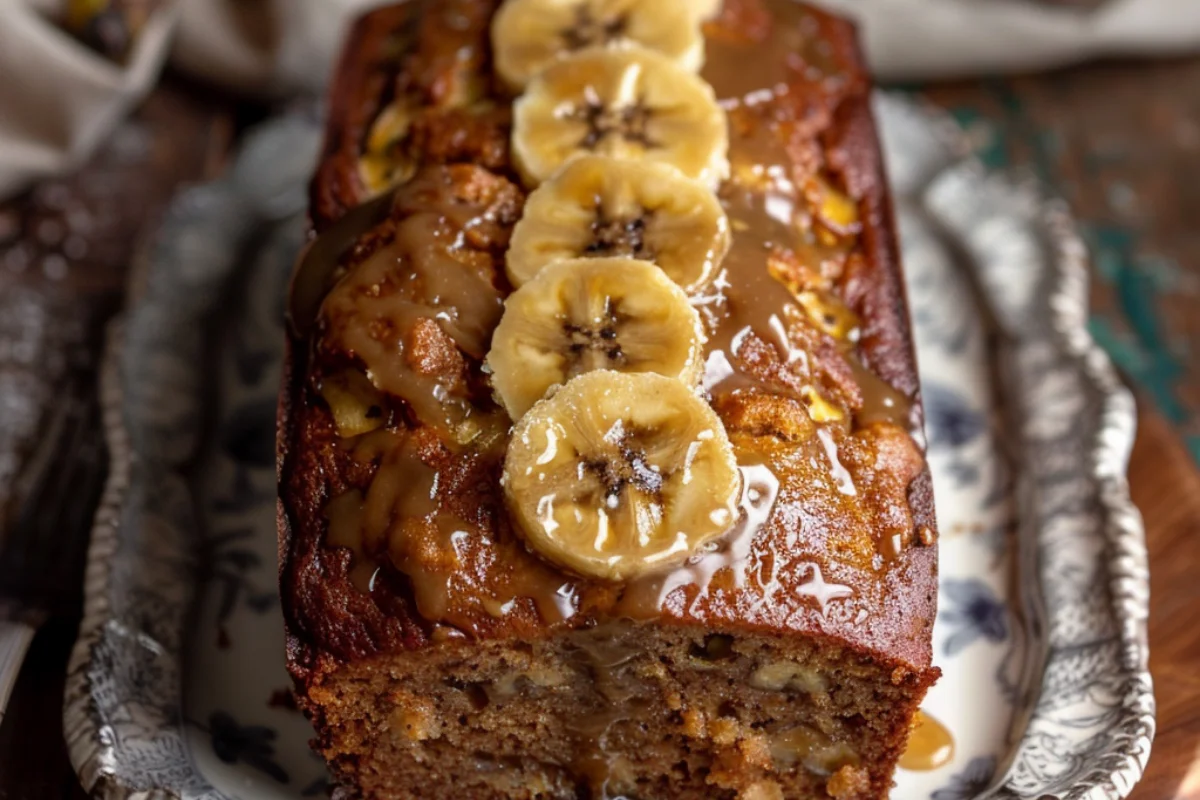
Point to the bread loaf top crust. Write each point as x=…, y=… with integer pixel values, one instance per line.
x=821, y=399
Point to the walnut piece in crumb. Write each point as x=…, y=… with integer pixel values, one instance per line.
x=762, y=790
x=848, y=782
x=431, y=351
x=415, y=717
x=724, y=731
x=765, y=415
x=694, y=725
x=755, y=749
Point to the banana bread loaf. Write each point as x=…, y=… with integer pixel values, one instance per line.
x=599, y=441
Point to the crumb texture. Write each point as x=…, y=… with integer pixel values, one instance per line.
x=636, y=711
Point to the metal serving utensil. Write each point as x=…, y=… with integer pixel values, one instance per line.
x=317, y=261
x=46, y=504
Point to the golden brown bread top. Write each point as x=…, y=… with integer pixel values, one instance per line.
x=815, y=388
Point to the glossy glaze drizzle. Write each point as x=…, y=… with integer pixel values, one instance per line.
x=930, y=745
x=773, y=45
x=644, y=597
x=404, y=519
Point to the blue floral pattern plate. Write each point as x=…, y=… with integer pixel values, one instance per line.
x=177, y=686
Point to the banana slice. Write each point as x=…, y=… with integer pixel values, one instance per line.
x=357, y=406
x=618, y=474
x=384, y=163
x=528, y=35
x=626, y=103
x=704, y=9
x=596, y=206
x=588, y=314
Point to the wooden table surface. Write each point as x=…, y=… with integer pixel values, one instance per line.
x=1120, y=141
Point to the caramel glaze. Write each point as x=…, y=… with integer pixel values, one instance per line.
x=930, y=745
x=404, y=520
x=422, y=297
x=788, y=42
x=806, y=321
x=414, y=310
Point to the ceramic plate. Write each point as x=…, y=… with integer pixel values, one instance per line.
x=177, y=686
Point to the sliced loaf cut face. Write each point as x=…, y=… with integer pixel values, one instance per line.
x=624, y=710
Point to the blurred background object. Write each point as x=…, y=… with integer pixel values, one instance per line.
x=1088, y=4
x=63, y=95
x=910, y=39
x=108, y=26
x=51, y=466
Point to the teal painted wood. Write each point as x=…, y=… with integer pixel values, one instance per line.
x=1109, y=165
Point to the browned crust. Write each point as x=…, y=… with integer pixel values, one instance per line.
x=359, y=90
x=880, y=299
x=361, y=86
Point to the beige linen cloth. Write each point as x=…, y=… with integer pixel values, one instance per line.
x=58, y=99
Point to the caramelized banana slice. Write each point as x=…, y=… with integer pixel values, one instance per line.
x=619, y=474
x=588, y=314
x=528, y=35
x=357, y=406
x=627, y=103
x=597, y=206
